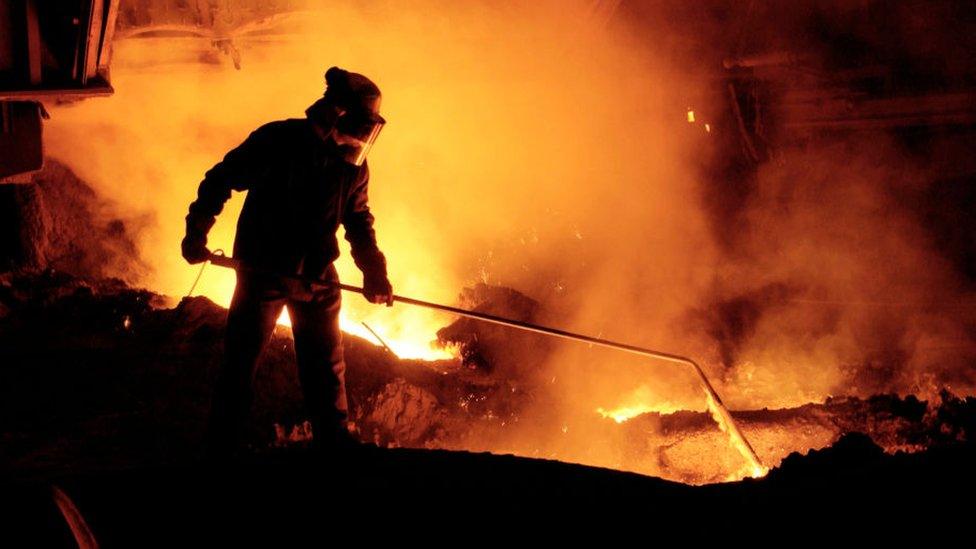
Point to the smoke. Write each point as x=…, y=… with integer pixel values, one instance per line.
x=528, y=146
x=837, y=288
x=534, y=146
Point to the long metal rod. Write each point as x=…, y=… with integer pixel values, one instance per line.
x=378, y=338
x=734, y=431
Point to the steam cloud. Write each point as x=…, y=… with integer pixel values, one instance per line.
x=531, y=145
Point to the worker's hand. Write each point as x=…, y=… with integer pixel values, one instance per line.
x=377, y=289
x=195, y=249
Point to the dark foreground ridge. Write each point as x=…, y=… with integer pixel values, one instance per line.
x=293, y=494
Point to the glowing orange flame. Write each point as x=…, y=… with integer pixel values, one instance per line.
x=409, y=343
x=642, y=401
x=409, y=332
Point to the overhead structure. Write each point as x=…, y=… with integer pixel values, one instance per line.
x=49, y=51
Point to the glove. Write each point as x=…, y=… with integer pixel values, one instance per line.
x=377, y=289
x=195, y=249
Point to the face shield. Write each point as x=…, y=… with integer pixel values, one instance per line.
x=356, y=133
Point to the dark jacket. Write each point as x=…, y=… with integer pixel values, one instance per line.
x=299, y=191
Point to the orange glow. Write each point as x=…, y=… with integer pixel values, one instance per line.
x=622, y=414
x=409, y=343
x=644, y=400
x=641, y=401
x=752, y=467
x=516, y=128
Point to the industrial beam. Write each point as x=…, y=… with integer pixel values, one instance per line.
x=842, y=113
x=108, y=34
x=33, y=44
x=93, y=41
x=54, y=94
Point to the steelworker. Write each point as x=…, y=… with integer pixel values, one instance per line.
x=303, y=178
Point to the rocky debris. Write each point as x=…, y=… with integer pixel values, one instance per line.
x=57, y=222
x=683, y=443
x=97, y=374
x=402, y=414
x=893, y=422
x=491, y=347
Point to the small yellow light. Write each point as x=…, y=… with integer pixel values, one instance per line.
x=691, y=116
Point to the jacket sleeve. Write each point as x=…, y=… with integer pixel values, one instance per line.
x=358, y=222
x=241, y=169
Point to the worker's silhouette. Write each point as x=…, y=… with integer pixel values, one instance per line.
x=304, y=177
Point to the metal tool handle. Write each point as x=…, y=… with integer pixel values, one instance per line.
x=734, y=432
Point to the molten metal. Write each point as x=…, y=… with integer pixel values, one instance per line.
x=719, y=412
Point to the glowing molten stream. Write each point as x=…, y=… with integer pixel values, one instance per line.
x=644, y=400
x=405, y=339
x=641, y=401
x=721, y=416
x=408, y=331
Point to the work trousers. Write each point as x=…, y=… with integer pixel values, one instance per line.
x=254, y=310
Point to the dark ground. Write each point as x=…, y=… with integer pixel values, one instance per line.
x=439, y=497
x=89, y=402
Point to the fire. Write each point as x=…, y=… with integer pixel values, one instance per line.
x=642, y=401
x=409, y=341
x=621, y=415
x=409, y=333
